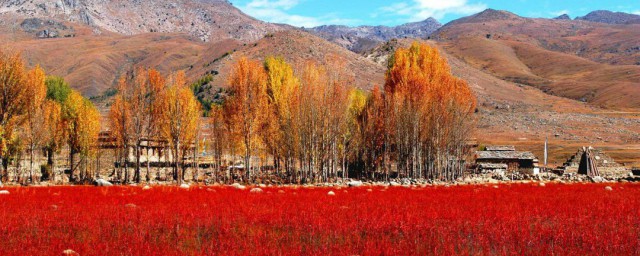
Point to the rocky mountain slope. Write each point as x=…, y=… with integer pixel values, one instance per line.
x=206, y=20
x=610, y=17
x=362, y=38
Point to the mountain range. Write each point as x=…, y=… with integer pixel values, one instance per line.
x=533, y=77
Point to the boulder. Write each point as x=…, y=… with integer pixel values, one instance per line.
x=354, y=183
x=103, y=183
x=238, y=186
x=4, y=192
x=331, y=193
x=70, y=252
x=256, y=190
x=597, y=179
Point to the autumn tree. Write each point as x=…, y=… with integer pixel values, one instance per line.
x=54, y=133
x=431, y=112
x=180, y=117
x=36, y=92
x=12, y=102
x=282, y=90
x=245, y=107
x=82, y=127
x=132, y=115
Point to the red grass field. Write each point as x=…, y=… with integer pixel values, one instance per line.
x=511, y=219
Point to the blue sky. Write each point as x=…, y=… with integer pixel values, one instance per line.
x=310, y=13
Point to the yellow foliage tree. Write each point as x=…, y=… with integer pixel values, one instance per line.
x=180, y=117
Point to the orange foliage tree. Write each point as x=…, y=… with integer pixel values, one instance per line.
x=36, y=92
x=431, y=112
x=245, y=109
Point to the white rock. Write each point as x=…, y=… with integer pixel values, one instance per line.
x=262, y=185
x=394, y=184
x=238, y=186
x=355, y=183
x=146, y=187
x=185, y=186
x=331, y=193
x=256, y=190
x=608, y=188
x=103, y=183
x=542, y=184
x=4, y=192
x=69, y=252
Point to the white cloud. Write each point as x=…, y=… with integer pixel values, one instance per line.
x=636, y=12
x=422, y=9
x=277, y=11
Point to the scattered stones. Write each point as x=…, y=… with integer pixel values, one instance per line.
x=4, y=192
x=103, y=183
x=256, y=190
x=608, y=188
x=331, y=193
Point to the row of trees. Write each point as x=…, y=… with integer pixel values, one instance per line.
x=315, y=126
x=307, y=124
x=43, y=114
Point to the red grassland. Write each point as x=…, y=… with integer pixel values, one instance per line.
x=510, y=219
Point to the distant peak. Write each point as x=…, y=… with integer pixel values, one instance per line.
x=604, y=16
x=486, y=16
x=563, y=17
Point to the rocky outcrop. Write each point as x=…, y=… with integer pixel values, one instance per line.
x=205, y=20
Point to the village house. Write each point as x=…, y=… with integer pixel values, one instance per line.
x=504, y=160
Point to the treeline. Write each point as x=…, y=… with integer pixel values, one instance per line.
x=308, y=124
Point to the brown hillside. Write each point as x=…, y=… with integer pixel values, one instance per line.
x=567, y=58
x=298, y=47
